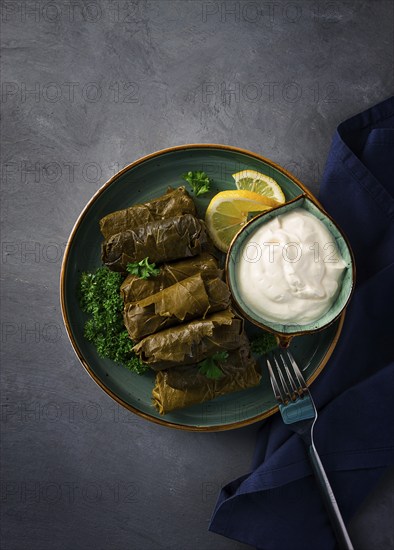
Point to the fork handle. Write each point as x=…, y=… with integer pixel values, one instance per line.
x=330, y=502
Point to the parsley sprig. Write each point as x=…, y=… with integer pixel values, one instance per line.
x=210, y=366
x=263, y=343
x=198, y=181
x=143, y=269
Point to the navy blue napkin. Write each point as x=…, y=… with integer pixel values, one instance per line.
x=278, y=505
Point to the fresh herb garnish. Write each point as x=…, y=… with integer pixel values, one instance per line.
x=264, y=343
x=209, y=366
x=199, y=182
x=100, y=298
x=143, y=269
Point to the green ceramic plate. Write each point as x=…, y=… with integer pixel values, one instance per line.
x=145, y=179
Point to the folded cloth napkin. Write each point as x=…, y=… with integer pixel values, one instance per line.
x=277, y=505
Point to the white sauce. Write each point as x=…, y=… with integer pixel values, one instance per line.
x=290, y=269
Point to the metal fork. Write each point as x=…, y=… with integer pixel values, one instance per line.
x=299, y=412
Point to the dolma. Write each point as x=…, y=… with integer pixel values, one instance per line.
x=160, y=241
x=174, y=203
x=191, y=342
x=183, y=386
x=134, y=288
x=188, y=299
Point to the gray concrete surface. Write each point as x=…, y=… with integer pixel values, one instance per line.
x=87, y=88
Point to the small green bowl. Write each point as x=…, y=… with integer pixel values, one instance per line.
x=286, y=332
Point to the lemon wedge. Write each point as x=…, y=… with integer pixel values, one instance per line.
x=251, y=180
x=228, y=212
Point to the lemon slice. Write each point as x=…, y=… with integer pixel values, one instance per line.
x=228, y=212
x=251, y=180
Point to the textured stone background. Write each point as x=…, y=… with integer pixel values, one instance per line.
x=87, y=88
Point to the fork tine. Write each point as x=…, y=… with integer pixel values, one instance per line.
x=297, y=372
x=274, y=384
x=283, y=381
x=289, y=376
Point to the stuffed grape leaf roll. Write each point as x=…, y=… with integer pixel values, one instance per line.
x=183, y=386
x=173, y=203
x=188, y=299
x=134, y=288
x=191, y=342
x=160, y=241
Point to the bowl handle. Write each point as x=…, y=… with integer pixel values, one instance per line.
x=284, y=341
